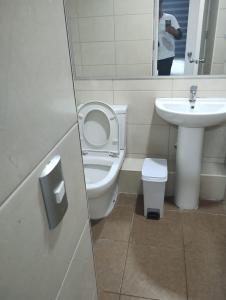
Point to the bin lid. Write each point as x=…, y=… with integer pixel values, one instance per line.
x=154, y=170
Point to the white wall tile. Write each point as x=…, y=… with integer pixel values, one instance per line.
x=94, y=85
x=133, y=6
x=76, y=53
x=36, y=91
x=141, y=106
x=133, y=52
x=217, y=69
x=90, y=8
x=215, y=142
x=96, y=29
x=221, y=23
x=101, y=71
x=144, y=85
x=148, y=140
x=203, y=84
x=101, y=53
x=73, y=27
x=134, y=27
x=32, y=255
x=87, y=96
x=219, y=55
x=137, y=70
x=79, y=282
x=222, y=3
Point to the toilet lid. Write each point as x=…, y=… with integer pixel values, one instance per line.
x=99, y=127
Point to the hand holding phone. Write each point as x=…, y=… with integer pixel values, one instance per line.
x=168, y=23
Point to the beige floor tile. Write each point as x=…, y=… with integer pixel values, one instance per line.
x=156, y=273
x=205, y=206
x=117, y=226
x=124, y=297
x=109, y=257
x=166, y=232
x=128, y=200
x=202, y=231
x=206, y=274
x=169, y=204
x=211, y=207
x=108, y=296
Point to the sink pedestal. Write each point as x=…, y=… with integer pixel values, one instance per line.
x=188, y=167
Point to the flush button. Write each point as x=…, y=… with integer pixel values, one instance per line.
x=53, y=192
x=59, y=192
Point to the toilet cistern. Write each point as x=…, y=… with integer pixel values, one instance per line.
x=192, y=99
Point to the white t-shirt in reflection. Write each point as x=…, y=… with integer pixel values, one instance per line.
x=166, y=42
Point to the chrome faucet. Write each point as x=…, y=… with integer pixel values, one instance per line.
x=192, y=98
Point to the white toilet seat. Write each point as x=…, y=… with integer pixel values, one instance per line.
x=99, y=128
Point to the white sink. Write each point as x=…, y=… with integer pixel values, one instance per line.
x=191, y=123
x=178, y=111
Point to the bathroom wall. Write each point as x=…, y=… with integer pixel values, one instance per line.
x=111, y=38
x=147, y=134
x=219, y=41
x=37, y=121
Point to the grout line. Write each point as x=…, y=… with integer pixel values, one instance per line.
x=185, y=265
x=139, y=297
x=112, y=15
x=124, y=269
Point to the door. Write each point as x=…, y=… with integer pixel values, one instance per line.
x=155, y=38
x=194, y=36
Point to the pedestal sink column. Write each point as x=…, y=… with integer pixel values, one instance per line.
x=188, y=167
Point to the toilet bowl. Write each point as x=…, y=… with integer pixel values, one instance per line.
x=103, y=140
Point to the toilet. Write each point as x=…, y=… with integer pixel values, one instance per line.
x=103, y=139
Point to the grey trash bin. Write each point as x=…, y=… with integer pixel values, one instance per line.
x=154, y=177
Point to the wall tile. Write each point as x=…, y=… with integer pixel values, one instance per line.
x=79, y=282
x=200, y=93
x=133, y=6
x=76, y=52
x=94, y=85
x=209, y=84
x=130, y=70
x=30, y=252
x=37, y=101
x=222, y=4
x=141, y=106
x=221, y=23
x=219, y=55
x=87, y=96
x=141, y=52
x=148, y=140
x=217, y=69
x=215, y=142
x=101, y=53
x=96, y=29
x=90, y=8
x=73, y=28
x=133, y=27
x=144, y=85
x=104, y=71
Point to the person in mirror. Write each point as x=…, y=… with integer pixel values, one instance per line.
x=169, y=31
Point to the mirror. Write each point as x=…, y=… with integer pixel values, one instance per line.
x=123, y=38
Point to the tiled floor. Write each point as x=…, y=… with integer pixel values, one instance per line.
x=182, y=256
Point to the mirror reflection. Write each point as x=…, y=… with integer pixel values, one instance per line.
x=144, y=38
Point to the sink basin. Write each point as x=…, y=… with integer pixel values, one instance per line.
x=191, y=124
x=178, y=111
